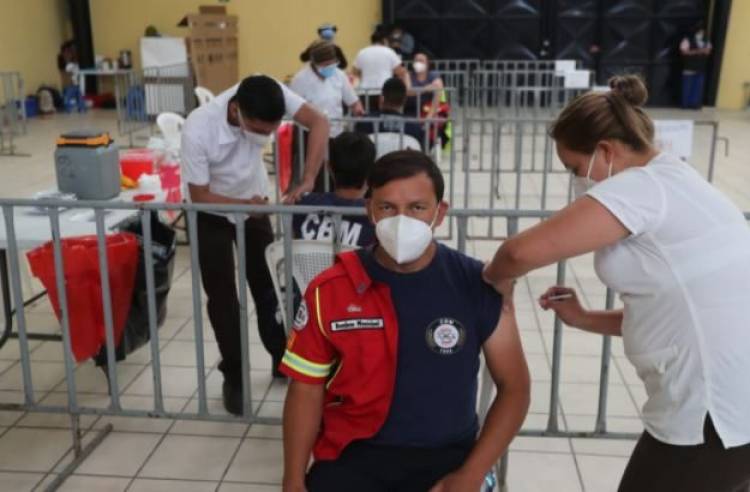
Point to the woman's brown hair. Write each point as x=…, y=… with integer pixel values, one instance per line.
x=615, y=114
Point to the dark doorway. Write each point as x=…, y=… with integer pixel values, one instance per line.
x=609, y=36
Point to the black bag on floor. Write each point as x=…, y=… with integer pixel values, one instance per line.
x=164, y=242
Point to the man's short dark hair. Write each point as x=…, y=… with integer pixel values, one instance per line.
x=405, y=164
x=261, y=97
x=394, y=92
x=351, y=157
x=379, y=36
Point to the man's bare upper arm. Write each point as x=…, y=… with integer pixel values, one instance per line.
x=504, y=355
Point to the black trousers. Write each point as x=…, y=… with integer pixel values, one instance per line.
x=364, y=467
x=708, y=467
x=216, y=241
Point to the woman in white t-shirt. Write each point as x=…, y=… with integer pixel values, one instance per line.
x=678, y=253
x=327, y=88
x=322, y=84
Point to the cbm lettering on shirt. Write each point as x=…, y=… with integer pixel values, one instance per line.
x=321, y=228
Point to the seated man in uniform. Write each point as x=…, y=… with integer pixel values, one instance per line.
x=384, y=355
x=391, y=114
x=350, y=160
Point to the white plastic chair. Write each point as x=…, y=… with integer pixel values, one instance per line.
x=387, y=142
x=170, y=125
x=204, y=95
x=309, y=258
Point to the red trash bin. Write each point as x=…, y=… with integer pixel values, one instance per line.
x=83, y=286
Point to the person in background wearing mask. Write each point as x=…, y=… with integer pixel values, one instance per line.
x=327, y=32
x=322, y=84
x=695, y=50
x=384, y=355
x=374, y=65
x=401, y=41
x=678, y=253
x=423, y=78
x=222, y=146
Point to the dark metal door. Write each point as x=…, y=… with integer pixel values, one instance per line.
x=610, y=36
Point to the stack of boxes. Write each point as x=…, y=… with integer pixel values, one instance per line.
x=213, y=47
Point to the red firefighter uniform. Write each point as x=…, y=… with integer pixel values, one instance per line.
x=346, y=337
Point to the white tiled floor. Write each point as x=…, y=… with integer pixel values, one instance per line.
x=148, y=454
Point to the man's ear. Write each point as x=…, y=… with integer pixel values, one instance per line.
x=441, y=213
x=368, y=207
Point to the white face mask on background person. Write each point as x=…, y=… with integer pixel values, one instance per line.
x=253, y=137
x=582, y=184
x=419, y=67
x=404, y=238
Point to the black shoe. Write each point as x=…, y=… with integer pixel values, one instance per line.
x=232, y=398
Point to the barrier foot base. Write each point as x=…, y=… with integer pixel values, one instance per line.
x=84, y=453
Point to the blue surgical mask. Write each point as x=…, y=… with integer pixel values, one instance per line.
x=327, y=34
x=327, y=71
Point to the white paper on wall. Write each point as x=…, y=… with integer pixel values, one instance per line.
x=577, y=79
x=675, y=137
x=564, y=66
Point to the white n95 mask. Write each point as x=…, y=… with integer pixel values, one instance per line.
x=258, y=138
x=582, y=184
x=254, y=138
x=403, y=238
x=419, y=67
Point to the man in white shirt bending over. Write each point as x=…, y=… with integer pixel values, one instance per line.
x=222, y=146
x=376, y=64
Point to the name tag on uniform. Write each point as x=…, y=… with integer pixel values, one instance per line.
x=357, y=324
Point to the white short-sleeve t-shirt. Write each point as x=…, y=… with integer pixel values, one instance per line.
x=215, y=153
x=376, y=63
x=684, y=278
x=327, y=95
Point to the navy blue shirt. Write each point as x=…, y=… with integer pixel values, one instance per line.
x=445, y=313
x=391, y=123
x=356, y=230
x=411, y=102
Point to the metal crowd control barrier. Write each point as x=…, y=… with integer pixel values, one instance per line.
x=511, y=163
x=422, y=95
x=12, y=111
x=76, y=407
x=533, y=93
x=519, y=157
x=505, y=65
x=451, y=64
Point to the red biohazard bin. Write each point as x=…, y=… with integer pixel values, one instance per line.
x=284, y=172
x=135, y=162
x=83, y=286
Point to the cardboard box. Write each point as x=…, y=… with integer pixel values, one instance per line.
x=213, y=47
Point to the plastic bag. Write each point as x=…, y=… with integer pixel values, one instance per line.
x=136, y=332
x=84, y=289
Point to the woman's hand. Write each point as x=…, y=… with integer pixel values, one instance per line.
x=457, y=481
x=564, y=302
